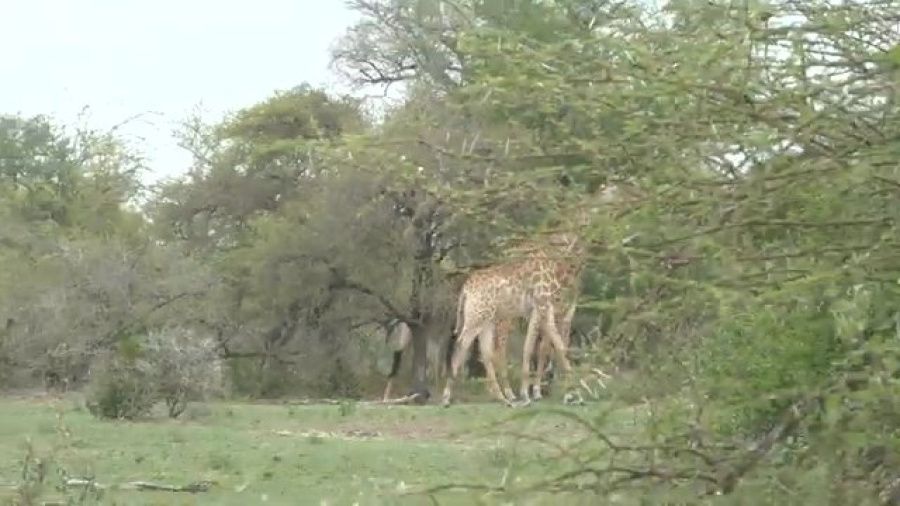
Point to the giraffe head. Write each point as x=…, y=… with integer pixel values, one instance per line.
x=568, y=243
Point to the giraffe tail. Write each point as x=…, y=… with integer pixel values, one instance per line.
x=457, y=328
x=460, y=313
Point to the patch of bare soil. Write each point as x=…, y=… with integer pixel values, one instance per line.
x=411, y=429
x=430, y=428
x=444, y=428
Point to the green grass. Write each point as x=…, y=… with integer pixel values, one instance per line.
x=286, y=454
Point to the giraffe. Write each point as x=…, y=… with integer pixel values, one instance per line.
x=531, y=287
x=528, y=287
x=502, y=331
x=545, y=347
x=503, y=327
x=607, y=193
x=562, y=283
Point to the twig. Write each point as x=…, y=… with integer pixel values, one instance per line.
x=456, y=486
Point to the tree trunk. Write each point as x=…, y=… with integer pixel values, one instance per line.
x=419, y=338
x=431, y=330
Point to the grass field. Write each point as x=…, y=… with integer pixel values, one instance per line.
x=289, y=454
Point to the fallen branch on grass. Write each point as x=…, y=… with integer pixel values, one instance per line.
x=142, y=486
x=392, y=402
x=311, y=402
x=334, y=402
x=351, y=434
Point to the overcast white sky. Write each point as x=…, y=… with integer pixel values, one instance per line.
x=162, y=58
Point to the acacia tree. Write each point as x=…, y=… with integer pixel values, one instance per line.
x=759, y=261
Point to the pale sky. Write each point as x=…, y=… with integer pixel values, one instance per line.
x=160, y=59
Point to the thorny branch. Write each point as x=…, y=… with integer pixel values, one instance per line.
x=721, y=471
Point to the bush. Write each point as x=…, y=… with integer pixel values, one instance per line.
x=258, y=378
x=756, y=361
x=121, y=387
x=170, y=365
x=341, y=382
x=187, y=368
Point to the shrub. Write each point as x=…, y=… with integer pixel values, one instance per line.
x=341, y=381
x=171, y=365
x=755, y=361
x=259, y=378
x=121, y=387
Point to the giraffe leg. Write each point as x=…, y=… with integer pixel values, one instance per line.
x=463, y=343
x=550, y=329
x=528, y=352
x=486, y=347
x=544, y=350
x=501, y=334
x=565, y=330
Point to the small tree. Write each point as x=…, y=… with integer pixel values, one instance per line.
x=185, y=367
